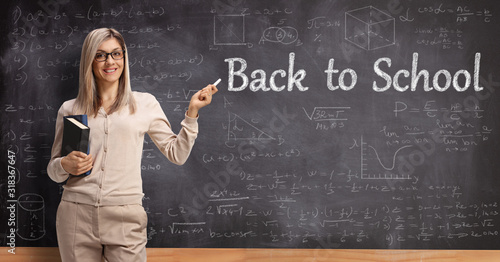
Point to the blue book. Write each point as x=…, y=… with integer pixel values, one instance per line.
x=76, y=136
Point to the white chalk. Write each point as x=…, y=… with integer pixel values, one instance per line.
x=216, y=82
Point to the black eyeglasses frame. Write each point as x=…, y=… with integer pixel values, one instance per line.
x=109, y=54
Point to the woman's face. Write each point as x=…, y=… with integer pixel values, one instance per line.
x=108, y=72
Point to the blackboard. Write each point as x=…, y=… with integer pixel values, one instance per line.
x=339, y=124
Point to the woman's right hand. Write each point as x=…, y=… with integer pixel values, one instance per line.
x=77, y=163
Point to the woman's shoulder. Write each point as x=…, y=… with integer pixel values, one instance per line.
x=147, y=104
x=144, y=98
x=67, y=106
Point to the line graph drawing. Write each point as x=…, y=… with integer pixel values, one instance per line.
x=393, y=159
x=229, y=30
x=240, y=129
x=372, y=166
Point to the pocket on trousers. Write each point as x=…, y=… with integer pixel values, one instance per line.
x=59, y=212
x=136, y=221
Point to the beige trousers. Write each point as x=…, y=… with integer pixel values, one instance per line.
x=93, y=234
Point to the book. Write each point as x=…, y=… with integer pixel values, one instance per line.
x=76, y=135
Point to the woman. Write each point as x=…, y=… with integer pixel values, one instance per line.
x=101, y=215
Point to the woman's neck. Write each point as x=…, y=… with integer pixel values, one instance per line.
x=107, y=91
x=107, y=94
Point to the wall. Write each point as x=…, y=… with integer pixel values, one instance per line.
x=339, y=124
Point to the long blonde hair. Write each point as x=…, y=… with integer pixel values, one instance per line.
x=88, y=100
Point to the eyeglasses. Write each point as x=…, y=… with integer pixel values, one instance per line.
x=103, y=56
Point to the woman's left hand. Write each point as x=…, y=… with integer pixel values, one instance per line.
x=200, y=99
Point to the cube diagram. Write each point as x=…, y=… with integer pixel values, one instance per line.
x=369, y=28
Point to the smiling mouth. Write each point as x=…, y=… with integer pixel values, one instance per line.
x=110, y=70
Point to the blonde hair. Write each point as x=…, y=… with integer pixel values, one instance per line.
x=88, y=100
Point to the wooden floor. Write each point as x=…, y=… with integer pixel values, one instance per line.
x=37, y=254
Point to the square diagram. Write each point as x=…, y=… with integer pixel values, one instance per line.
x=229, y=30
